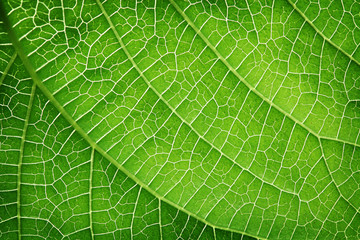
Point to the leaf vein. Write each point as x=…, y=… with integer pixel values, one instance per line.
x=321, y=33
x=172, y=109
x=21, y=156
x=253, y=89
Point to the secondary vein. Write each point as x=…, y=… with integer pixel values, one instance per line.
x=197, y=30
x=90, y=191
x=10, y=63
x=28, y=66
x=253, y=89
x=321, y=33
x=172, y=109
x=21, y=156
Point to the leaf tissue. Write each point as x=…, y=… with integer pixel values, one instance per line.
x=179, y=119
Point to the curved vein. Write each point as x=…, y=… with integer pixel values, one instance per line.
x=172, y=109
x=21, y=156
x=251, y=88
x=10, y=63
x=197, y=30
x=235, y=72
x=321, y=33
x=28, y=66
x=90, y=192
x=48, y=94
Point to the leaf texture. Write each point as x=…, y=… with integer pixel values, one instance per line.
x=180, y=119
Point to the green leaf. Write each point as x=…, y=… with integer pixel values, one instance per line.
x=178, y=119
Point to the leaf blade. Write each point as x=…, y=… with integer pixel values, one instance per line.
x=159, y=128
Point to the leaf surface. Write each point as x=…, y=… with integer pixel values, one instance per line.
x=183, y=119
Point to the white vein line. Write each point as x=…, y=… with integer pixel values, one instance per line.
x=321, y=33
x=90, y=191
x=12, y=59
x=263, y=97
x=253, y=89
x=21, y=157
x=134, y=214
x=160, y=226
x=167, y=104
